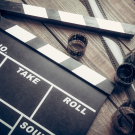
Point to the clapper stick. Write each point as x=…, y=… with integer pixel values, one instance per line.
x=99, y=25
x=62, y=59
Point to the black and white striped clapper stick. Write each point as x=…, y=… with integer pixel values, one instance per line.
x=62, y=59
x=99, y=25
x=116, y=52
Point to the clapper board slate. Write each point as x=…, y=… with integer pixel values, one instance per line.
x=69, y=19
x=38, y=96
x=44, y=94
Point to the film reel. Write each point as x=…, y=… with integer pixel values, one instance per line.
x=124, y=123
x=124, y=75
x=77, y=43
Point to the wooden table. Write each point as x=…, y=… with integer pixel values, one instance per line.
x=95, y=56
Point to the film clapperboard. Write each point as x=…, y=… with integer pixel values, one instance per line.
x=42, y=90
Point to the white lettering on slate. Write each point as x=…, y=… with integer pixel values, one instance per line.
x=30, y=129
x=3, y=48
x=28, y=75
x=75, y=105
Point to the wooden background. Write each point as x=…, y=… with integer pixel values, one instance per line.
x=95, y=56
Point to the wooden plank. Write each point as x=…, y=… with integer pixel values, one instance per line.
x=95, y=56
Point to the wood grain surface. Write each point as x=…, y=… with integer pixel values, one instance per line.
x=95, y=56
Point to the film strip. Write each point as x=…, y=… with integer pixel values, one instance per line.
x=62, y=59
x=99, y=25
x=111, y=45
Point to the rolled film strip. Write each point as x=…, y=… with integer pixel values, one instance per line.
x=77, y=43
x=124, y=124
x=99, y=25
x=124, y=75
x=129, y=103
x=62, y=59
